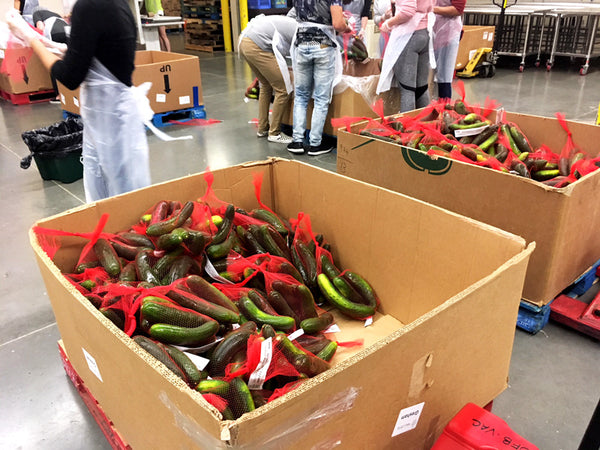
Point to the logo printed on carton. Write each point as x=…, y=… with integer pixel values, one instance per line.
x=418, y=160
x=408, y=419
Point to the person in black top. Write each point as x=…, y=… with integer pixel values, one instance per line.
x=100, y=58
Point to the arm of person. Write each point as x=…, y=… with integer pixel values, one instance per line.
x=365, y=16
x=448, y=11
x=382, y=11
x=46, y=57
x=337, y=19
x=405, y=10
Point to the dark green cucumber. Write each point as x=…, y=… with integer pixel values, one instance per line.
x=189, y=337
x=271, y=218
x=363, y=287
x=314, y=325
x=280, y=305
x=222, y=249
x=233, y=343
x=128, y=272
x=303, y=362
x=190, y=370
x=520, y=140
x=108, y=257
x=168, y=225
x=239, y=397
x=175, y=238
x=226, y=225
x=160, y=353
x=217, y=387
x=328, y=267
x=135, y=239
x=261, y=302
x=346, y=307
x=203, y=288
x=328, y=351
x=194, y=302
x=252, y=312
x=145, y=271
x=197, y=241
x=161, y=268
x=158, y=310
x=126, y=251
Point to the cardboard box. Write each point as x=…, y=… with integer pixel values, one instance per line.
x=30, y=76
x=474, y=37
x=353, y=96
x=449, y=286
x=563, y=222
x=175, y=79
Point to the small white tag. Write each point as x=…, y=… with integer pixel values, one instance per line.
x=161, y=98
x=369, y=321
x=62, y=99
x=212, y=272
x=408, y=419
x=235, y=326
x=199, y=361
x=184, y=100
x=91, y=362
x=472, y=54
x=246, y=100
x=333, y=328
x=257, y=378
x=485, y=35
x=469, y=131
x=76, y=101
x=491, y=37
x=296, y=334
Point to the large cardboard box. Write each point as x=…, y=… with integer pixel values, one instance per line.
x=354, y=96
x=474, y=37
x=563, y=222
x=29, y=73
x=449, y=287
x=175, y=79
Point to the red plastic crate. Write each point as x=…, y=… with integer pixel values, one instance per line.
x=475, y=428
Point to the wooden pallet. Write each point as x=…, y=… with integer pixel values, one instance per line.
x=29, y=97
x=205, y=48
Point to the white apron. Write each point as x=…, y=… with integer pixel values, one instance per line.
x=399, y=37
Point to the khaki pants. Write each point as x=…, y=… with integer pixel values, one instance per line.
x=264, y=65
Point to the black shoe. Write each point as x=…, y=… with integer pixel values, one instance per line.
x=296, y=147
x=320, y=149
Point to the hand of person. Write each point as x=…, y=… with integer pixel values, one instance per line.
x=20, y=28
x=385, y=27
x=361, y=34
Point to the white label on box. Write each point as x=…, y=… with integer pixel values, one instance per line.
x=472, y=54
x=91, y=362
x=491, y=37
x=76, y=101
x=296, y=334
x=485, y=35
x=369, y=321
x=62, y=99
x=469, y=131
x=184, y=100
x=333, y=328
x=161, y=98
x=199, y=361
x=257, y=378
x=408, y=419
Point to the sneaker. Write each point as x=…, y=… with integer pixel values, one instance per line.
x=296, y=147
x=320, y=149
x=262, y=133
x=280, y=138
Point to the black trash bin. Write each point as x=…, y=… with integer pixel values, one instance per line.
x=56, y=150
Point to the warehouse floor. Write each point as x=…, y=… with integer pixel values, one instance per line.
x=553, y=385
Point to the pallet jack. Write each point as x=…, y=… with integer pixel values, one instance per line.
x=481, y=64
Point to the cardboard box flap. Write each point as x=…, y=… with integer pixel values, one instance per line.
x=145, y=57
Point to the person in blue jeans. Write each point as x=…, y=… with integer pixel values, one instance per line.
x=317, y=65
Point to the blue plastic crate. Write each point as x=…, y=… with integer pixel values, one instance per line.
x=259, y=4
x=533, y=318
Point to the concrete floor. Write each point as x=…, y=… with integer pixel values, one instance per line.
x=554, y=375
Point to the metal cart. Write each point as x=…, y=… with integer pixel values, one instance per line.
x=575, y=35
x=521, y=32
